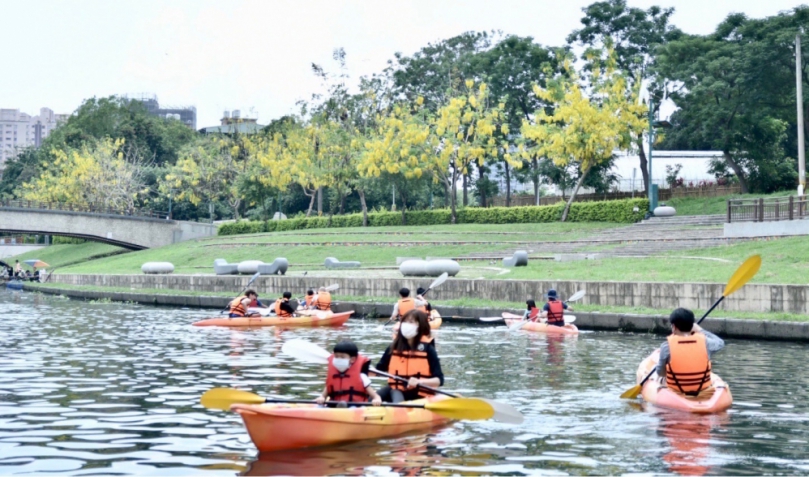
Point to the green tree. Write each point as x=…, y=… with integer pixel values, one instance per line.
x=633, y=34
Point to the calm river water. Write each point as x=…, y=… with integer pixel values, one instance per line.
x=98, y=389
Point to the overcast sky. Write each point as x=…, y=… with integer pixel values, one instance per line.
x=256, y=55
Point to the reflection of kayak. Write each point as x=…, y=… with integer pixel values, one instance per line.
x=545, y=328
x=347, y=459
x=716, y=398
x=328, y=319
x=275, y=427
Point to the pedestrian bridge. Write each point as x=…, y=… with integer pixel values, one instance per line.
x=135, y=229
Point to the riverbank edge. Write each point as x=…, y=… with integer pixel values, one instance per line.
x=658, y=324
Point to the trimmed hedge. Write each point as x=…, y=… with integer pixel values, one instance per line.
x=621, y=211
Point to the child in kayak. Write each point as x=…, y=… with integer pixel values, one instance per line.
x=685, y=357
x=239, y=305
x=347, y=379
x=411, y=356
x=531, y=312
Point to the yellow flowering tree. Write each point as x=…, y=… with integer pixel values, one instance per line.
x=465, y=132
x=585, y=129
x=104, y=173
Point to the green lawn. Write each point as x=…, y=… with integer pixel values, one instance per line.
x=62, y=255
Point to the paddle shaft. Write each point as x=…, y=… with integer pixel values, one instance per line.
x=403, y=380
x=335, y=403
x=700, y=321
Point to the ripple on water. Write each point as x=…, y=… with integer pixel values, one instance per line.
x=114, y=389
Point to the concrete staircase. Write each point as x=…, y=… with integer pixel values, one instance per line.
x=650, y=237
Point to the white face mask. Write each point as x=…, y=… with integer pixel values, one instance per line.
x=341, y=364
x=410, y=330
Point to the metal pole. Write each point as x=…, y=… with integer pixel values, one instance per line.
x=651, y=142
x=799, y=85
x=171, y=195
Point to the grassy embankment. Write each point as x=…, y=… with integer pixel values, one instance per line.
x=466, y=302
x=68, y=254
x=712, y=205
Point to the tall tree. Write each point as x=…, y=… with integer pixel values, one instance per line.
x=586, y=129
x=634, y=34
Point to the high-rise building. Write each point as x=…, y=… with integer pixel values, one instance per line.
x=186, y=114
x=19, y=130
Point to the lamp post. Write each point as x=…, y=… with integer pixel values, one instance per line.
x=653, y=124
x=799, y=92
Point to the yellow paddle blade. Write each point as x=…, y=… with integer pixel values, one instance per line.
x=222, y=398
x=462, y=408
x=743, y=274
x=632, y=393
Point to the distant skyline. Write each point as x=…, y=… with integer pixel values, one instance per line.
x=255, y=56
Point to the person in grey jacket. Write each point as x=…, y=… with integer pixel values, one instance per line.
x=683, y=326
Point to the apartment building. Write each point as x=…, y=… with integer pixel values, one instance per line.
x=19, y=130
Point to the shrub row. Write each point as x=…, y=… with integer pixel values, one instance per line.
x=622, y=211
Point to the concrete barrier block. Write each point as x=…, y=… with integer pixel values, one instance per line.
x=222, y=267
x=249, y=267
x=332, y=263
x=664, y=211
x=277, y=267
x=518, y=259
x=157, y=268
x=433, y=268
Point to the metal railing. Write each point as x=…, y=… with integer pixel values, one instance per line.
x=87, y=208
x=767, y=210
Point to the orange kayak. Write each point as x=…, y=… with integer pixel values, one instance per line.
x=538, y=327
x=329, y=319
x=717, y=398
x=274, y=427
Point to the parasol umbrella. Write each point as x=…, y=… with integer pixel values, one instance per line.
x=36, y=263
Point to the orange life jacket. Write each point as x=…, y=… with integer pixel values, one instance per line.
x=405, y=305
x=533, y=314
x=236, y=307
x=308, y=300
x=280, y=312
x=410, y=364
x=556, y=311
x=323, y=301
x=689, y=368
x=347, y=386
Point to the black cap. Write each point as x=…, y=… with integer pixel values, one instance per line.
x=346, y=346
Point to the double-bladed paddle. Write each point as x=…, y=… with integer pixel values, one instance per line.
x=458, y=408
x=743, y=274
x=517, y=326
x=438, y=281
x=312, y=353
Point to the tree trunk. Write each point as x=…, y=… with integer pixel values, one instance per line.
x=311, y=201
x=644, y=165
x=573, y=195
x=508, y=185
x=465, y=186
x=403, y=199
x=342, y=203
x=320, y=201
x=535, y=179
x=364, y=208
x=737, y=169
x=453, y=196
x=481, y=180
x=446, y=194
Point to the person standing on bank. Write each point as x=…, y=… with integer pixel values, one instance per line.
x=413, y=357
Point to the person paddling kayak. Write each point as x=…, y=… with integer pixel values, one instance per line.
x=554, y=310
x=685, y=356
x=413, y=357
x=347, y=379
x=239, y=305
x=309, y=300
x=283, y=308
x=256, y=303
x=322, y=301
x=406, y=304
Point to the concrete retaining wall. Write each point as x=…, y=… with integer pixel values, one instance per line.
x=767, y=229
x=662, y=296
x=727, y=327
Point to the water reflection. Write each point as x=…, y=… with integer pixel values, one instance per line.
x=114, y=389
